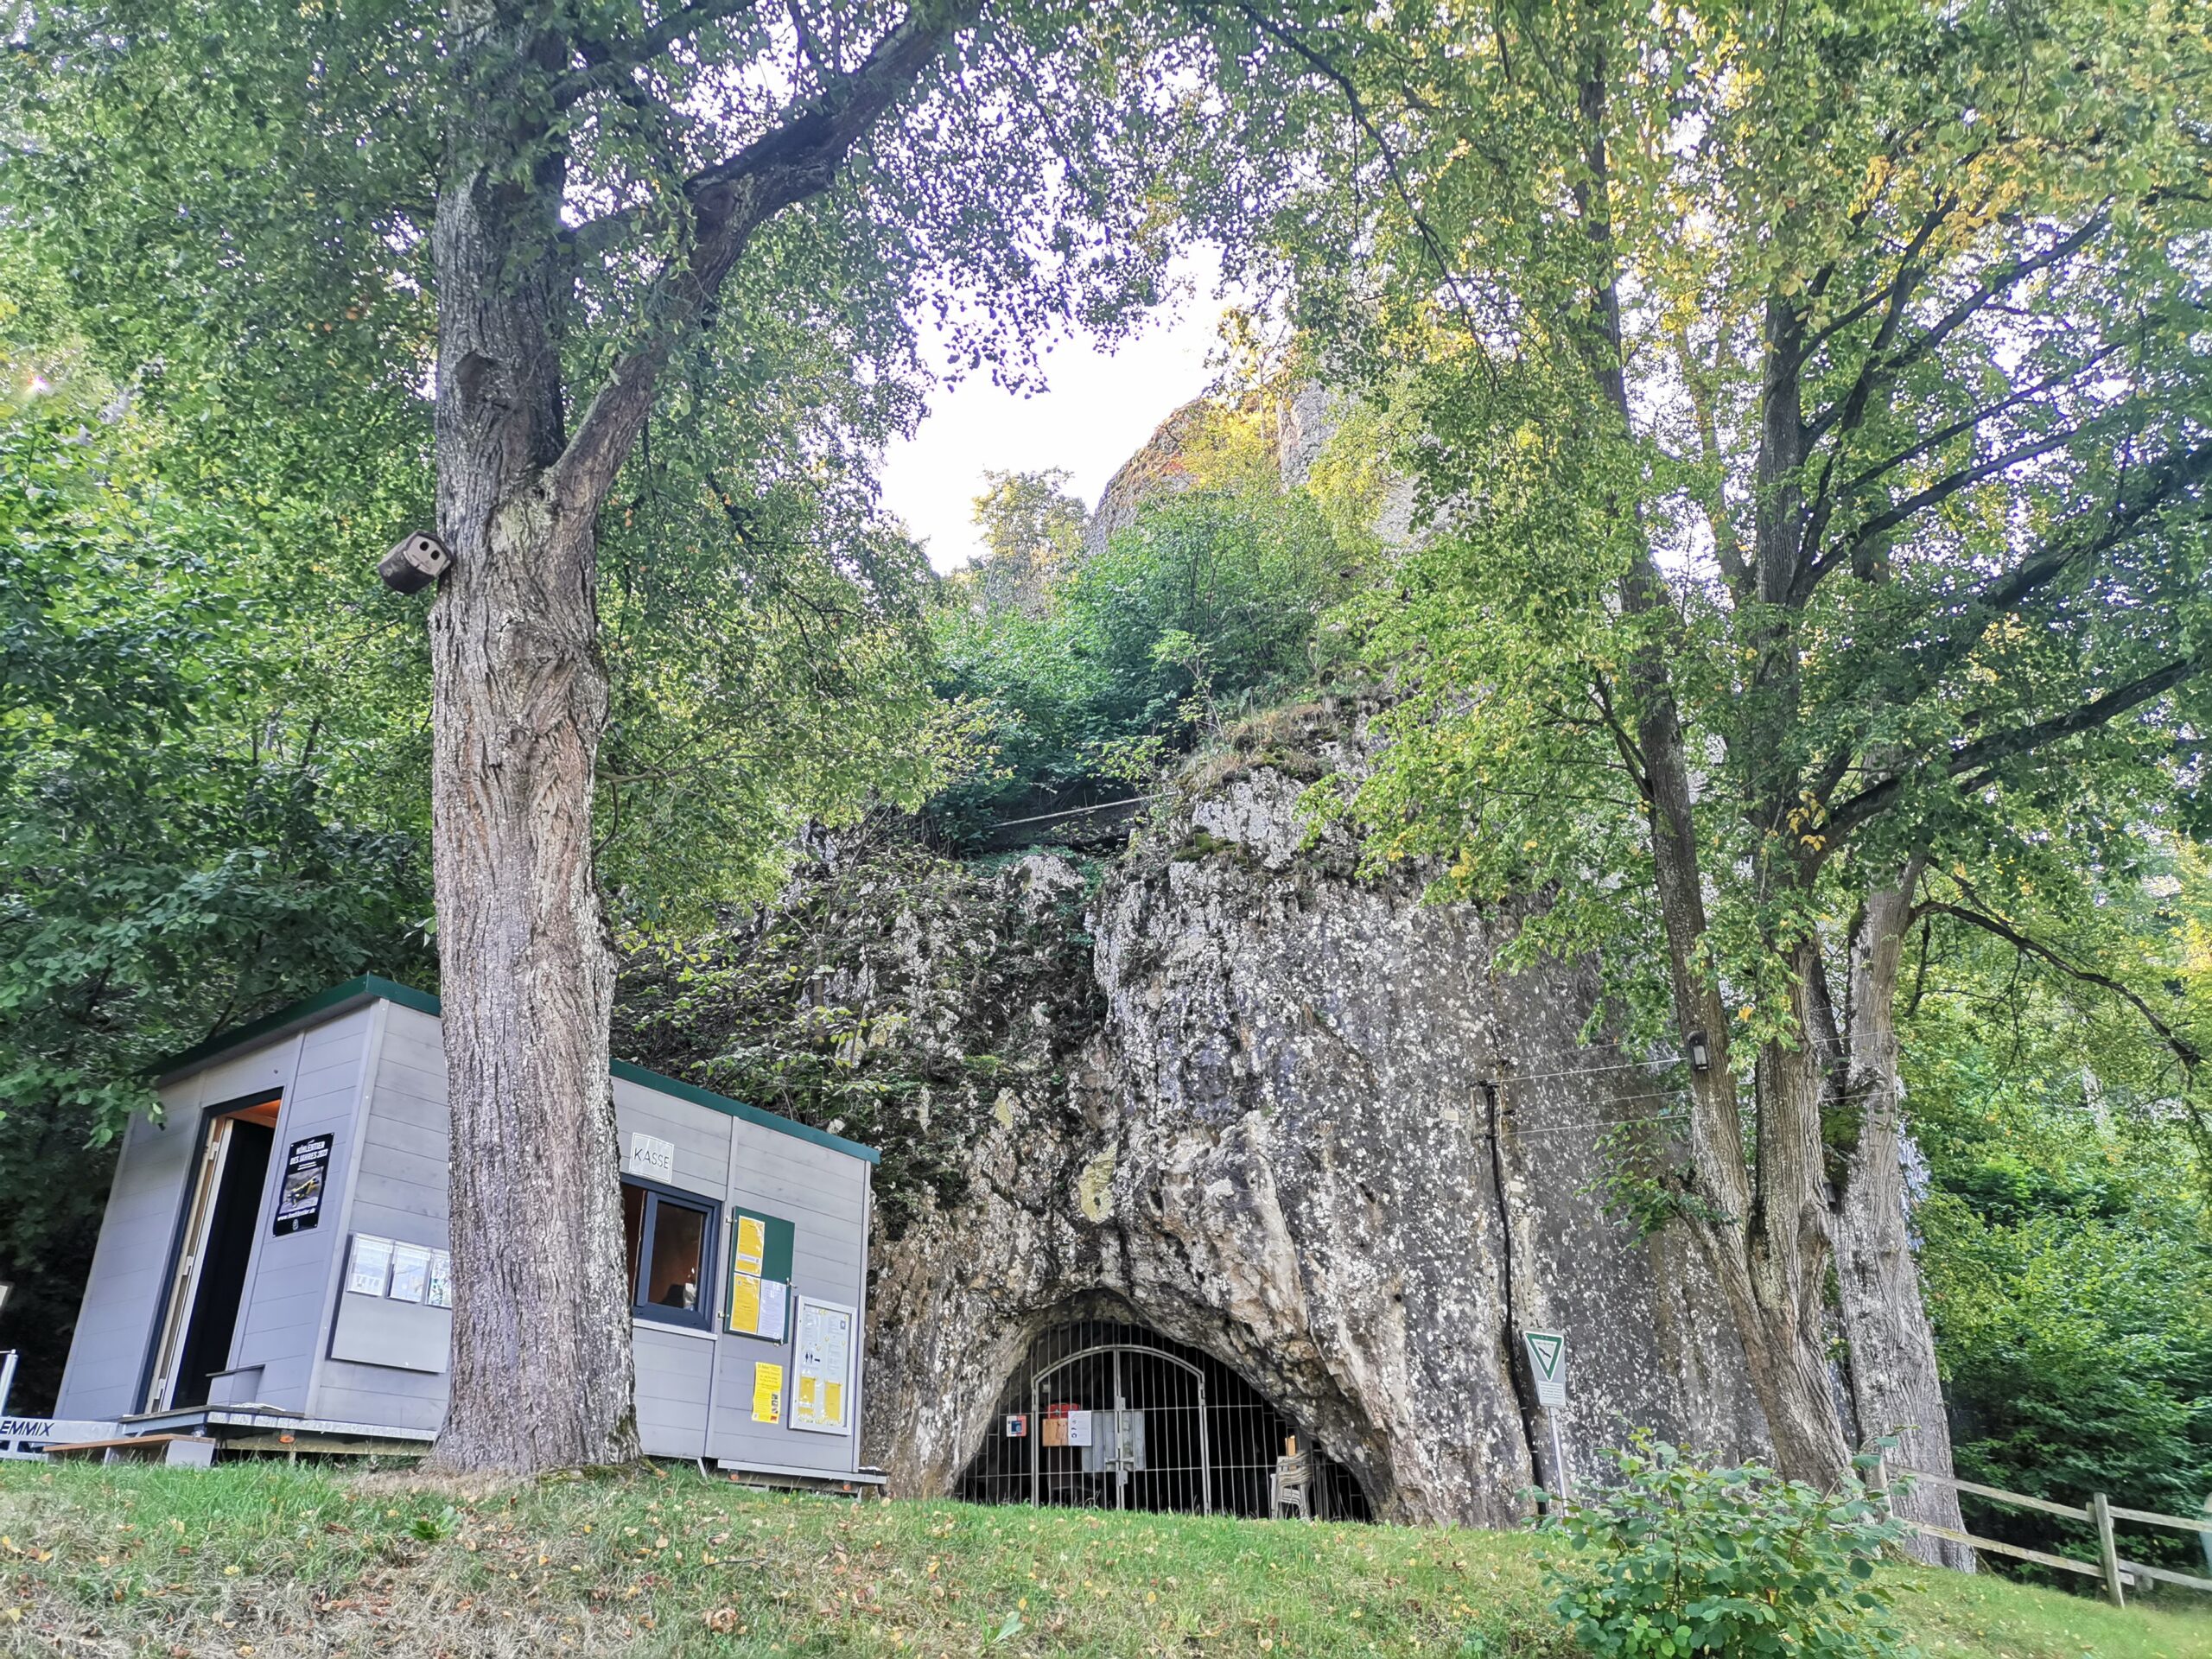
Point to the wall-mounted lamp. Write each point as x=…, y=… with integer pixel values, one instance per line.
x=1701, y=1054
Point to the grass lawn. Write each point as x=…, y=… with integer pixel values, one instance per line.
x=256, y=1561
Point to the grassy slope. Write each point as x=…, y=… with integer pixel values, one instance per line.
x=259, y=1561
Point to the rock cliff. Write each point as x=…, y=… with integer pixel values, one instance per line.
x=1290, y=1116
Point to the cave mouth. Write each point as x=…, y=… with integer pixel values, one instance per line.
x=1106, y=1414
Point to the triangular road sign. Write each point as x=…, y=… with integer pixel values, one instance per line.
x=1547, y=1365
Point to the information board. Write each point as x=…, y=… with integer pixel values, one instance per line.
x=821, y=1398
x=761, y=1250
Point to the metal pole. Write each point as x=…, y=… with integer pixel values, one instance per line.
x=1036, y=1434
x=1558, y=1457
x=1121, y=1462
x=1205, y=1456
x=6, y=1378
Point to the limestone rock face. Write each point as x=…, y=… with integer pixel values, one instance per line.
x=1277, y=1144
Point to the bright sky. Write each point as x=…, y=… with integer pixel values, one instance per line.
x=1097, y=409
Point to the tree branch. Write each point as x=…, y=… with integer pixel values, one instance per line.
x=1880, y=368
x=2183, y=1050
x=2006, y=745
x=730, y=200
x=604, y=64
x=1890, y=518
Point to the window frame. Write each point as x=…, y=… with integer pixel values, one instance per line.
x=702, y=1316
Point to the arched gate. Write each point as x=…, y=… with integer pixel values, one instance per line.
x=1106, y=1414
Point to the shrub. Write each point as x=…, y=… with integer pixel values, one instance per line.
x=1675, y=1557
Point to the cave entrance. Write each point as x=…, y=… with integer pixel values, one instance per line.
x=1108, y=1414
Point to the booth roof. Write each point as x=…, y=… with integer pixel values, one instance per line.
x=370, y=987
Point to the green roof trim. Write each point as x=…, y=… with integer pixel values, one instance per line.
x=767, y=1120
x=370, y=988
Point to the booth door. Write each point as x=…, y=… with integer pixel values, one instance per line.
x=209, y=1282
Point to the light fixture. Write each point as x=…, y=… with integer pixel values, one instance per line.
x=1700, y=1055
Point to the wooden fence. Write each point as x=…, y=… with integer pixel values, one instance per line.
x=2099, y=1512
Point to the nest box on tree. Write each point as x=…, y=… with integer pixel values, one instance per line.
x=415, y=562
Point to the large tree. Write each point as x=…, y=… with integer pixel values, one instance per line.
x=625, y=219
x=1815, y=416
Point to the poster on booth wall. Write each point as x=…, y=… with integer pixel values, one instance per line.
x=307, y=1172
x=440, y=1279
x=767, y=1393
x=750, y=1248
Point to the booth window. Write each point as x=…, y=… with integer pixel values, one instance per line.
x=666, y=1238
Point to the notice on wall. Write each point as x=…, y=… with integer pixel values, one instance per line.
x=758, y=1305
x=440, y=1279
x=370, y=1267
x=751, y=1245
x=410, y=1273
x=767, y=1393
x=825, y=1358
x=1079, y=1428
x=299, y=1198
x=1017, y=1425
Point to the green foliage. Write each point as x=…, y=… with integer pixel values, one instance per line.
x=1675, y=1557
x=1031, y=527
x=190, y=832
x=1213, y=597
x=2068, y=1242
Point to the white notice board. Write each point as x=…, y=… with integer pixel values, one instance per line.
x=822, y=1392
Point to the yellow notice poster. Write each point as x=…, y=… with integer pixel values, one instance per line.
x=835, y=1410
x=752, y=1244
x=767, y=1393
x=744, y=1303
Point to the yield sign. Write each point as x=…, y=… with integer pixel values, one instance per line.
x=1547, y=1365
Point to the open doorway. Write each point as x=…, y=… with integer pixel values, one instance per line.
x=214, y=1247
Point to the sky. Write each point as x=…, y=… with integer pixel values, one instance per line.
x=1097, y=410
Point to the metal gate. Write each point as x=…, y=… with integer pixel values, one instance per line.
x=1104, y=1412
x=1119, y=1427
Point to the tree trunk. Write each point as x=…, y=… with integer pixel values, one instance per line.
x=542, y=1367
x=1894, y=1385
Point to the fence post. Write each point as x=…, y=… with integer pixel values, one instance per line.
x=2100, y=1512
x=1877, y=1484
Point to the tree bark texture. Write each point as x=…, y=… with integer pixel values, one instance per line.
x=1894, y=1384
x=1765, y=1236
x=542, y=1369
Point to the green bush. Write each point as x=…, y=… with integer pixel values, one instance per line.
x=1675, y=1558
